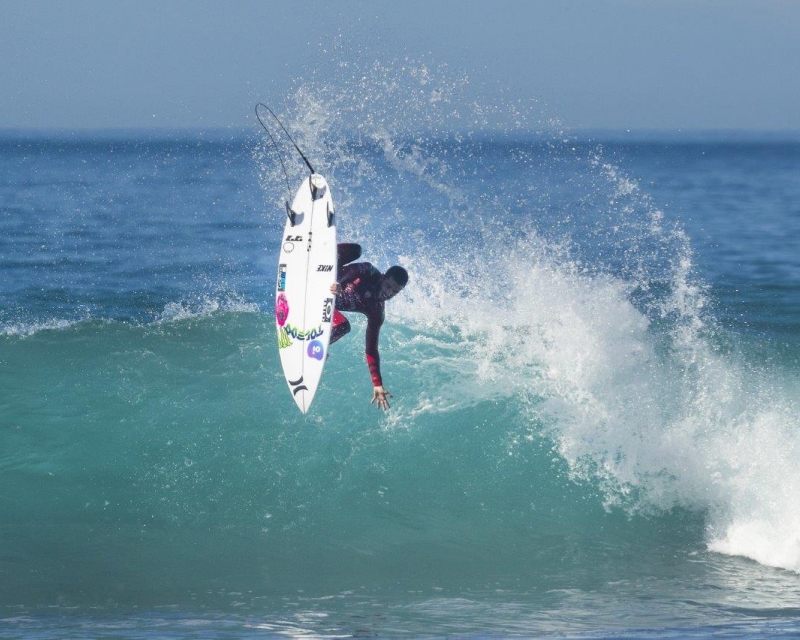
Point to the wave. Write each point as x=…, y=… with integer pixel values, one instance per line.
x=656, y=419
x=544, y=276
x=188, y=308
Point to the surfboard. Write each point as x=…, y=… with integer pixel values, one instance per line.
x=303, y=300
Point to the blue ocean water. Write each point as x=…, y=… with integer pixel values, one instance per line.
x=595, y=371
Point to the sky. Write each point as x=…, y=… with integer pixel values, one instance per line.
x=596, y=64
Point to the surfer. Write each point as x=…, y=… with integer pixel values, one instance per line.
x=362, y=288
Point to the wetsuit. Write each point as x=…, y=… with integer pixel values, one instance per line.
x=360, y=284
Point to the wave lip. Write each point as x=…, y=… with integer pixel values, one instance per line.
x=204, y=307
x=25, y=329
x=187, y=309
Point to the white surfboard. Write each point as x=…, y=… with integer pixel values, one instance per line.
x=303, y=300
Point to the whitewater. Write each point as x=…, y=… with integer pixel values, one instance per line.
x=594, y=366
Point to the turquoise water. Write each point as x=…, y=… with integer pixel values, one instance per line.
x=595, y=369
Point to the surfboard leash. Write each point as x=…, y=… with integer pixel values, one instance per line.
x=277, y=149
x=272, y=113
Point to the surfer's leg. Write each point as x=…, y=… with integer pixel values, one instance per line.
x=347, y=252
x=341, y=326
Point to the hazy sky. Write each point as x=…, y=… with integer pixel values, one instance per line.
x=618, y=64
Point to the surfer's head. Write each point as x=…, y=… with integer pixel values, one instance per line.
x=393, y=282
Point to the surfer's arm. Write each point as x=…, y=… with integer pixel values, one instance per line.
x=374, y=322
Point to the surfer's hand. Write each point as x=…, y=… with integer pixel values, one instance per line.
x=379, y=397
x=336, y=289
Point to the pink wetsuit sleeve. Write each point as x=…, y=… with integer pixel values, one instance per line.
x=374, y=322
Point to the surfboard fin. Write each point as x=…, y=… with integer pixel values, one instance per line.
x=330, y=214
x=291, y=214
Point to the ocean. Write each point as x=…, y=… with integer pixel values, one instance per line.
x=595, y=371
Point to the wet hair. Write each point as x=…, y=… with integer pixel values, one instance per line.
x=398, y=274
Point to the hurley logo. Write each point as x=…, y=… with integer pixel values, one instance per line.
x=327, y=309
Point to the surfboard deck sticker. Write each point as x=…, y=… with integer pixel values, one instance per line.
x=304, y=303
